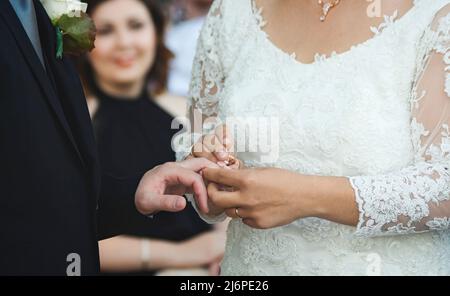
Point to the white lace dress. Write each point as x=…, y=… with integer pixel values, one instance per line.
x=382, y=121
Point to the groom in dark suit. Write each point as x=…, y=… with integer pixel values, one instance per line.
x=54, y=204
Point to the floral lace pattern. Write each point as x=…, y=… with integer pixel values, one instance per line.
x=379, y=131
x=208, y=79
x=401, y=202
x=388, y=21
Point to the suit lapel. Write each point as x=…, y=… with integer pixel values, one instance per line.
x=23, y=42
x=67, y=84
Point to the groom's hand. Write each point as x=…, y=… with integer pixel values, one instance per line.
x=161, y=188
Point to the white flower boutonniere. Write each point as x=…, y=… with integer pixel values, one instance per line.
x=75, y=30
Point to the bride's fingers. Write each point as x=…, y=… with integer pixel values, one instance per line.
x=226, y=177
x=201, y=151
x=227, y=140
x=210, y=148
x=225, y=137
x=237, y=165
x=213, y=144
x=236, y=213
x=223, y=199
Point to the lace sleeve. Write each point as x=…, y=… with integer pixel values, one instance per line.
x=417, y=198
x=206, y=88
x=206, y=84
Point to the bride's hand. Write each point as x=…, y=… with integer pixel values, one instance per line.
x=218, y=148
x=264, y=198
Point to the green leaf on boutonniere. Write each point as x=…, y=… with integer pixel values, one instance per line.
x=78, y=33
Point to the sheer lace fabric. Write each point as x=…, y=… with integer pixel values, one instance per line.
x=416, y=198
x=383, y=122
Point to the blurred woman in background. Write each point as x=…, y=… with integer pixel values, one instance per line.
x=125, y=79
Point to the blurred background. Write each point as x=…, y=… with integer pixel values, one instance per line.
x=136, y=82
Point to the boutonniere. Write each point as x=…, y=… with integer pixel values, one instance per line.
x=75, y=30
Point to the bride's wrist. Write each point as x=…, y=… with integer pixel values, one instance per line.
x=312, y=196
x=330, y=198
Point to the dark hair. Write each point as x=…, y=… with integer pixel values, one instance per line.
x=158, y=74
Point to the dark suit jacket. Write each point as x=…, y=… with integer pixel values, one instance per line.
x=51, y=199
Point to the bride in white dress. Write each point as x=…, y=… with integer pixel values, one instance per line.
x=365, y=123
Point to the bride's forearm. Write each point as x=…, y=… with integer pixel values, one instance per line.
x=271, y=197
x=334, y=200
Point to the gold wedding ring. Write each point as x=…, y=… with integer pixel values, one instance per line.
x=236, y=211
x=231, y=160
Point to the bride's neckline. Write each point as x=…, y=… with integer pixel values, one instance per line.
x=259, y=22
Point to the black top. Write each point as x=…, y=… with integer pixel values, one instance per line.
x=134, y=135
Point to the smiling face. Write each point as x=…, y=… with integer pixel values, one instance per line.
x=125, y=46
